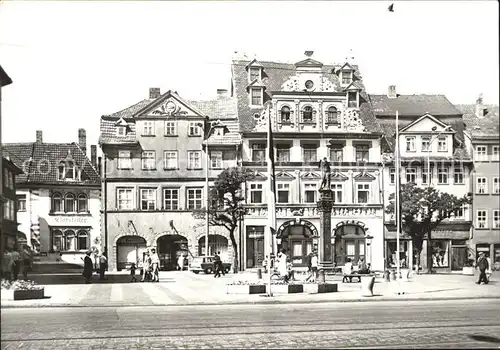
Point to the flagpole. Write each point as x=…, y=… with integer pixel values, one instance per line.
x=271, y=197
x=398, y=209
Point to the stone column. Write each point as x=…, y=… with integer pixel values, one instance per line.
x=325, y=205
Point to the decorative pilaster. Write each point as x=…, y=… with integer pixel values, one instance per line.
x=297, y=112
x=320, y=117
x=324, y=206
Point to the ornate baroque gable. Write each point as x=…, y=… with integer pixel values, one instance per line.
x=170, y=107
x=352, y=120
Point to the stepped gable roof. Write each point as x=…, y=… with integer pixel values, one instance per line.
x=485, y=127
x=39, y=162
x=274, y=75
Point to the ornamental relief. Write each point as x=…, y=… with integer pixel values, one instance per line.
x=314, y=212
x=352, y=120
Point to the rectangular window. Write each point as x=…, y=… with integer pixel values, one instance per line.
x=125, y=198
x=171, y=160
x=481, y=153
x=309, y=153
x=170, y=128
x=259, y=152
x=256, y=97
x=459, y=213
x=310, y=191
x=254, y=73
x=194, y=129
x=171, y=198
x=255, y=193
x=148, y=160
x=352, y=99
x=458, y=176
x=195, y=197
x=481, y=185
x=337, y=153
x=194, y=159
x=148, y=199
x=426, y=174
x=121, y=131
x=495, y=153
x=496, y=185
x=392, y=175
x=362, y=153
x=148, y=128
x=346, y=77
x=338, y=192
x=282, y=153
x=426, y=142
x=21, y=202
x=124, y=160
x=442, y=144
x=482, y=219
x=363, y=193
x=443, y=174
x=496, y=218
x=216, y=160
x=411, y=175
x=283, y=193
x=410, y=144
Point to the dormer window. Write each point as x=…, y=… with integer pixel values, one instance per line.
x=254, y=73
x=256, y=97
x=67, y=171
x=346, y=77
x=285, y=115
x=120, y=131
x=219, y=131
x=352, y=99
x=332, y=115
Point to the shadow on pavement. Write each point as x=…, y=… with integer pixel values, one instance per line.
x=485, y=338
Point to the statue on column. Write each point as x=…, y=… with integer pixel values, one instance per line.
x=325, y=174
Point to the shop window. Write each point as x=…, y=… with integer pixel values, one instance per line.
x=404, y=253
x=440, y=252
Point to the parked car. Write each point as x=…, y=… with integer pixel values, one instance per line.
x=206, y=264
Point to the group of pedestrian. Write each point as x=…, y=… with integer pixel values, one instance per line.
x=149, y=267
x=218, y=266
x=88, y=266
x=17, y=260
x=312, y=266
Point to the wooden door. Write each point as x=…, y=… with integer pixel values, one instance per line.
x=458, y=257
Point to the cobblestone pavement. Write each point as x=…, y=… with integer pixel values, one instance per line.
x=421, y=324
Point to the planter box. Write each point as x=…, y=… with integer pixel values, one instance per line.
x=287, y=288
x=22, y=294
x=313, y=288
x=469, y=271
x=245, y=289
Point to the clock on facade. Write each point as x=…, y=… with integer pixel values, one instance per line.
x=309, y=84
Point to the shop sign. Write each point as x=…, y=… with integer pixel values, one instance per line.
x=132, y=240
x=71, y=220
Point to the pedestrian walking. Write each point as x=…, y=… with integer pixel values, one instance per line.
x=282, y=268
x=313, y=267
x=7, y=263
x=180, y=262
x=132, y=273
x=217, y=263
x=482, y=264
x=16, y=264
x=221, y=266
x=88, y=267
x=146, y=267
x=103, y=265
x=155, y=266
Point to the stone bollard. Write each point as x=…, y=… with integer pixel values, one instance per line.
x=259, y=274
x=321, y=276
x=367, y=286
x=393, y=275
x=387, y=276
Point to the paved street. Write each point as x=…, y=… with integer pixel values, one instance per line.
x=420, y=324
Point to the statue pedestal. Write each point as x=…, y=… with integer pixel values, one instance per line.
x=325, y=205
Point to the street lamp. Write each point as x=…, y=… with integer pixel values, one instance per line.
x=429, y=148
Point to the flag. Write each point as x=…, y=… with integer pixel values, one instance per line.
x=271, y=195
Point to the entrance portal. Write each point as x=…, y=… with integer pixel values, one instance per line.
x=170, y=248
x=129, y=249
x=297, y=242
x=349, y=244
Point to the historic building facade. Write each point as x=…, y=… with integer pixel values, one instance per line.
x=433, y=153
x=317, y=111
x=58, y=197
x=483, y=137
x=11, y=238
x=154, y=176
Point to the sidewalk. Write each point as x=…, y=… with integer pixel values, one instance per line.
x=186, y=288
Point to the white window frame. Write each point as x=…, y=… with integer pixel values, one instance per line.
x=197, y=201
x=337, y=188
x=481, y=153
x=411, y=144
x=392, y=176
x=461, y=175
x=250, y=73
x=124, y=160
x=173, y=203
x=121, y=130
x=148, y=160
x=283, y=187
x=129, y=191
x=425, y=172
x=346, y=75
x=21, y=199
x=442, y=144
x=442, y=171
x=496, y=218
x=495, y=153
x=145, y=197
x=261, y=97
x=256, y=187
x=215, y=159
x=194, y=129
x=148, y=128
x=481, y=220
x=496, y=185
x=460, y=216
x=171, y=160
x=481, y=185
x=170, y=128
x=194, y=160
x=412, y=172
x=425, y=144
x=357, y=99
x=365, y=188
x=311, y=187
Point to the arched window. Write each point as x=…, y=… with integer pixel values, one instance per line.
x=307, y=114
x=69, y=203
x=57, y=203
x=285, y=115
x=57, y=241
x=82, y=203
x=83, y=240
x=70, y=240
x=332, y=115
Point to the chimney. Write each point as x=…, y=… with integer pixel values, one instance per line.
x=82, y=140
x=154, y=93
x=391, y=93
x=221, y=93
x=479, y=106
x=93, y=155
x=99, y=166
x=39, y=138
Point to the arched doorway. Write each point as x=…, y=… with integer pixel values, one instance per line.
x=297, y=240
x=170, y=248
x=216, y=243
x=129, y=249
x=349, y=243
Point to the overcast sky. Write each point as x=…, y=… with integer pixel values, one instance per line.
x=72, y=62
